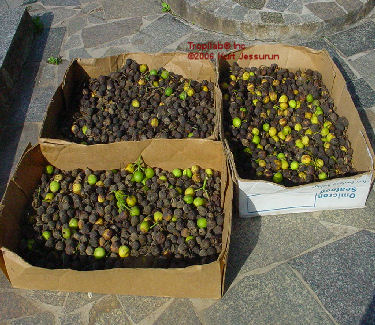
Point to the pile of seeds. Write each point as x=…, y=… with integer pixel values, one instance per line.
x=86, y=219
x=136, y=103
x=283, y=126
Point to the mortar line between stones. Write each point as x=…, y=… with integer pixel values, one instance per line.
x=312, y=293
x=150, y=319
x=124, y=310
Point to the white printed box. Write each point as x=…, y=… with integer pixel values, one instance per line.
x=265, y=198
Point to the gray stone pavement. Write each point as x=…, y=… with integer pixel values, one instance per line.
x=311, y=268
x=272, y=19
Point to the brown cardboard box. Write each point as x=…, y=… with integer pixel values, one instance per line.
x=204, y=281
x=257, y=197
x=81, y=69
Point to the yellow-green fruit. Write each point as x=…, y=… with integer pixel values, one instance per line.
x=284, y=164
x=283, y=99
x=272, y=131
x=305, y=159
x=77, y=187
x=305, y=140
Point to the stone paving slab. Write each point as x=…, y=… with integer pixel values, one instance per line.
x=160, y=33
x=139, y=308
x=181, y=311
x=258, y=242
x=276, y=297
x=366, y=67
x=355, y=40
x=342, y=275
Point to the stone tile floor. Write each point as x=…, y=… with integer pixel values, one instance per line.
x=312, y=268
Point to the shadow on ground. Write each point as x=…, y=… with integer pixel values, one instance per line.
x=369, y=317
x=244, y=238
x=12, y=125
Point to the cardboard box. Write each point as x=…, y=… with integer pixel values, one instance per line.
x=267, y=198
x=81, y=69
x=204, y=281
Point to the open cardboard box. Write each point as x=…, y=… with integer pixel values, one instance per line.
x=204, y=281
x=81, y=69
x=267, y=198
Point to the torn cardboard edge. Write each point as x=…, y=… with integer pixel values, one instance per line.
x=205, y=281
x=295, y=58
x=80, y=69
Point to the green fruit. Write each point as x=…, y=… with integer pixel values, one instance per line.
x=188, y=199
x=299, y=144
x=84, y=129
x=255, y=131
x=138, y=176
x=73, y=223
x=266, y=127
x=316, y=102
x=143, y=68
x=189, y=191
x=183, y=95
x=153, y=72
x=277, y=177
x=123, y=251
x=134, y=211
x=66, y=233
x=286, y=130
x=187, y=172
x=256, y=139
x=189, y=238
x=284, y=164
x=177, y=172
x=158, y=216
x=322, y=176
x=49, y=197
x=168, y=91
x=131, y=200
x=174, y=219
x=46, y=235
x=309, y=98
x=292, y=103
x=54, y=186
x=202, y=223
x=163, y=178
x=298, y=127
x=49, y=169
x=294, y=165
x=198, y=201
x=91, y=179
x=236, y=122
x=272, y=131
x=144, y=227
x=135, y=103
x=280, y=156
x=324, y=132
x=99, y=253
x=209, y=172
x=164, y=74
x=149, y=173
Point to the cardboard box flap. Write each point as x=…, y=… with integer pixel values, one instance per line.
x=203, y=281
x=176, y=62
